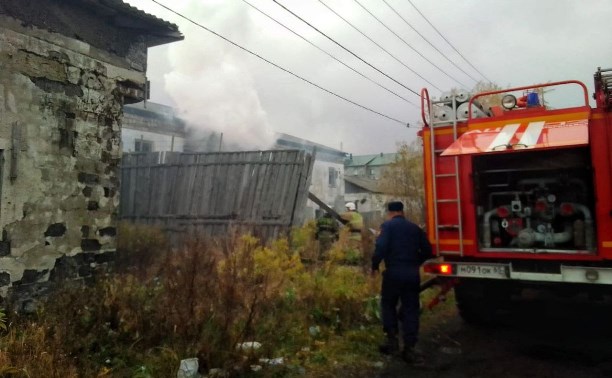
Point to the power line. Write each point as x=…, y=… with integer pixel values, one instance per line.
x=426, y=40
x=330, y=55
x=346, y=49
x=379, y=46
x=447, y=41
x=276, y=65
x=408, y=44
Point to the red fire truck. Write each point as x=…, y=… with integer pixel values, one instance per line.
x=518, y=193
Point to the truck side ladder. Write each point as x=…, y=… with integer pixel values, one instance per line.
x=436, y=160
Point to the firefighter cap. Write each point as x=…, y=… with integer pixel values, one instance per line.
x=395, y=206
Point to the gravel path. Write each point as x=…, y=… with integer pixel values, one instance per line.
x=537, y=338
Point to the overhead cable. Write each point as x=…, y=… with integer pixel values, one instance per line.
x=330, y=55
x=409, y=45
x=342, y=46
x=378, y=45
x=276, y=65
x=426, y=40
x=447, y=41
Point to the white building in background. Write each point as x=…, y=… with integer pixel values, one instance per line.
x=151, y=127
x=327, y=179
x=362, y=180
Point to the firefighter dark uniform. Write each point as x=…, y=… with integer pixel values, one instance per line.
x=327, y=232
x=403, y=246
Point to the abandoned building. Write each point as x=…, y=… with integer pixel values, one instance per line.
x=152, y=127
x=327, y=173
x=368, y=195
x=67, y=69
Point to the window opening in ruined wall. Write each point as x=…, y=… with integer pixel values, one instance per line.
x=141, y=145
x=372, y=173
x=333, y=177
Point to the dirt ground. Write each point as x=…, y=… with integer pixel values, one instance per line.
x=539, y=337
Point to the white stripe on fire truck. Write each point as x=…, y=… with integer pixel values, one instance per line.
x=532, y=134
x=504, y=136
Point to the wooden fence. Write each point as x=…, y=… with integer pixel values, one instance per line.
x=211, y=193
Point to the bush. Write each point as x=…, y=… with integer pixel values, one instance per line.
x=199, y=300
x=140, y=248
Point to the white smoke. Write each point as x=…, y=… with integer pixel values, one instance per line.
x=212, y=89
x=217, y=87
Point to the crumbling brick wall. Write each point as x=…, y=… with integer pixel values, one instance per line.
x=60, y=116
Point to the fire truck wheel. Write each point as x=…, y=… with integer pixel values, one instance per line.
x=479, y=302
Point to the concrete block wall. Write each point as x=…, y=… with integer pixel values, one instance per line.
x=60, y=118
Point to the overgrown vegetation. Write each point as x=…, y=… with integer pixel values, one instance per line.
x=203, y=300
x=404, y=180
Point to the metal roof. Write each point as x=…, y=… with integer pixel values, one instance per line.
x=323, y=152
x=358, y=160
x=370, y=160
x=383, y=159
x=127, y=16
x=368, y=184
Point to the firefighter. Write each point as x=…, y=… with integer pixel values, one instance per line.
x=327, y=232
x=354, y=221
x=403, y=247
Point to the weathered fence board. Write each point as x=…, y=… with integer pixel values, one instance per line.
x=208, y=193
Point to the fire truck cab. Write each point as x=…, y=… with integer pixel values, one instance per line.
x=518, y=193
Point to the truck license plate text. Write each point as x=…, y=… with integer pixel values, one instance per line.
x=488, y=271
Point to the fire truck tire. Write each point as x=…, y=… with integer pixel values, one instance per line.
x=480, y=303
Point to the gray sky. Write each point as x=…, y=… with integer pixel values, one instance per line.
x=217, y=86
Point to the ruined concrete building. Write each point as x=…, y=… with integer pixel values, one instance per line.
x=151, y=127
x=67, y=67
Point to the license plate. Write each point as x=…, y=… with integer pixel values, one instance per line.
x=481, y=270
